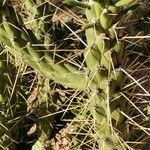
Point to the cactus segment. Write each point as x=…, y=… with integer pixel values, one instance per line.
x=124, y=2
x=113, y=9
x=76, y=3
x=106, y=19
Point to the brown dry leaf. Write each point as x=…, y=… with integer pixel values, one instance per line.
x=32, y=130
x=61, y=142
x=31, y=99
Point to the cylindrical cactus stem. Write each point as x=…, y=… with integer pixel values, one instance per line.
x=107, y=52
x=43, y=62
x=105, y=134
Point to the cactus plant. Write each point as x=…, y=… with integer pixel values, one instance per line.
x=104, y=58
